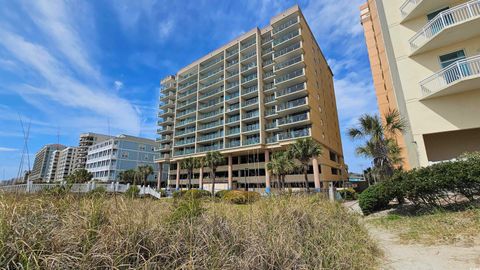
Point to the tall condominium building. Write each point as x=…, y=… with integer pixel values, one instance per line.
x=86, y=140
x=425, y=60
x=44, y=165
x=251, y=97
x=107, y=158
x=65, y=163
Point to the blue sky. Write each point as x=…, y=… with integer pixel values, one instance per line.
x=75, y=66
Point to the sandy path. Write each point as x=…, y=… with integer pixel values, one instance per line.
x=413, y=256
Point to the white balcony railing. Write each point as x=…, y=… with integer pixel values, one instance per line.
x=463, y=69
x=445, y=19
x=409, y=6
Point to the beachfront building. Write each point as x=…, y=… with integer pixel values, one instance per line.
x=425, y=61
x=45, y=163
x=251, y=97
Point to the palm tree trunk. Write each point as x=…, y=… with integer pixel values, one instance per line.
x=213, y=182
x=305, y=175
x=189, y=180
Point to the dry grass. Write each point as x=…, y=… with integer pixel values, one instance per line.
x=439, y=227
x=72, y=232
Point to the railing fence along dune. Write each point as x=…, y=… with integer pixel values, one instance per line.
x=30, y=187
x=457, y=71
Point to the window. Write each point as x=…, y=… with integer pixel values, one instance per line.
x=124, y=154
x=450, y=58
x=142, y=147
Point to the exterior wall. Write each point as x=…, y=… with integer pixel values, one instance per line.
x=65, y=163
x=105, y=160
x=382, y=78
x=453, y=112
x=282, y=117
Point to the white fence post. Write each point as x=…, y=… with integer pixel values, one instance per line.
x=29, y=186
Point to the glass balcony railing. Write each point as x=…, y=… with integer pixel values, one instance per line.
x=291, y=89
x=210, y=125
x=248, y=44
x=285, y=25
x=252, y=140
x=212, y=92
x=249, y=78
x=233, y=107
x=189, y=102
x=272, y=139
x=231, y=63
x=211, y=136
x=182, y=113
x=212, y=82
x=269, y=98
x=233, y=119
x=292, y=104
x=288, y=62
x=231, y=96
x=186, y=151
x=211, y=103
x=233, y=131
x=210, y=148
x=287, y=49
x=268, y=74
x=185, y=131
x=191, y=91
x=232, y=85
x=250, y=101
x=233, y=74
x=250, y=114
x=213, y=62
x=185, y=141
x=249, y=90
x=269, y=112
x=269, y=86
x=251, y=127
x=211, y=73
x=232, y=53
x=210, y=114
x=248, y=55
x=271, y=125
x=293, y=119
x=286, y=37
x=267, y=62
x=267, y=51
x=294, y=134
x=186, y=121
x=289, y=76
x=233, y=143
x=249, y=66
x=183, y=86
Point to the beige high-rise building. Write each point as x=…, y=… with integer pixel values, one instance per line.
x=425, y=60
x=251, y=97
x=65, y=163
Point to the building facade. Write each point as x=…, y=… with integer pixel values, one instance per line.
x=86, y=140
x=425, y=60
x=106, y=159
x=65, y=163
x=252, y=97
x=45, y=162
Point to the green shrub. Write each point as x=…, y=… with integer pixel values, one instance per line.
x=197, y=194
x=132, y=191
x=374, y=198
x=241, y=197
x=178, y=193
x=186, y=210
x=220, y=194
x=348, y=194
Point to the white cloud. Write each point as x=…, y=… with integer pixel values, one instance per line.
x=118, y=85
x=7, y=149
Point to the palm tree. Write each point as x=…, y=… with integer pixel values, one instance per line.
x=143, y=172
x=213, y=160
x=280, y=165
x=189, y=164
x=127, y=176
x=199, y=164
x=80, y=176
x=304, y=150
x=380, y=144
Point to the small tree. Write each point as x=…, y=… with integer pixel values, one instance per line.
x=189, y=164
x=280, y=165
x=199, y=164
x=143, y=172
x=127, y=176
x=304, y=150
x=80, y=176
x=213, y=160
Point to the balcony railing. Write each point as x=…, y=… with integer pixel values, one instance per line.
x=213, y=62
x=231, y=85
x=247, y=45
x=186, y=103
x=267, y=50
x=211, y=103
x=212, y=82
x=248, y=55
x=293, y=119
x=268, y=74
x=408, y=6
x=294, y=134
x=210, y=148
x=287, y=49
x=250, y=102
x=249, y=78
x=186, y=141
x=210, y=136
x=249, y=66
x=250, y=114
x=462, y=69
x=249, y=90
x=292, y=104
x=212, y=92
x=211, y=114
x=191, y=91
x=183, y=86
x=285, y=25
x=180, y=114
x=272, y=139
x=445, y=19
x=232, y=53
x=291, y=89
x=233, y=107
x=253, y=140
x=235, y=143
x=271, y=125
x=185, y=152
x=233, y=119
x=231, y=96
x=231, y=63
x=269, y=98
x=252, y=127
x=286, y=37
x=288, y=62
x=186, y=121
x=185, y=131
x=286, y=77
x=233, y=131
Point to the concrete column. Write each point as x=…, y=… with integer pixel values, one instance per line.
x=159, y=177
x=200, y=179
x=316, y=174
x=267, y=173
x=230, y=181
x=177, y=180
x=331, y=191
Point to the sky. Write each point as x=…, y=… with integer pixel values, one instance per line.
x=68, y=67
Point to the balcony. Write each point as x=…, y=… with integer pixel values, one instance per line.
x=233, y=143
x=185, y=141
x=186, y=151
x=163, y=157
x=231, y=96
x=207, y=65
x=185, y=131
x=211, y=93
x=212, y=82
x=416, y=8
x=293, y=105
x=250, y=90
x=185, y=112
x=296, y=90
x=210, y=148
x=461, y=22
x=294, y=35
x=211, y=125
x=211, y=114
x=292, y=77
x=295, y=62
x=251, y=127
x=167, y=129
x=188, y=93
x=293, y=134
x=250, y=114
x=233, y=107
x=461, y=76
x=233, y=131
x=164, y=138
x=278, y=29
x=185, y=122
x=252, y=140
x=211, y=104
x=293, y=120
x=210, y=136
x=233, y=119
x=164, y=105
